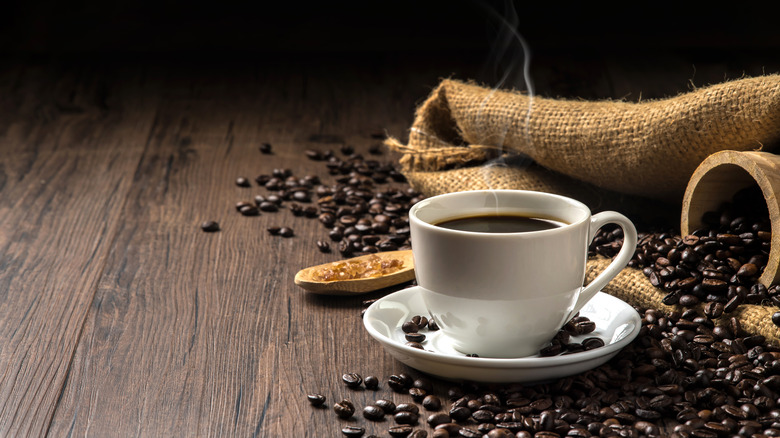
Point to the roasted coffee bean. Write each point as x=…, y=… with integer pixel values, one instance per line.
x=410, y=327
x=398, y=384
x=323, y=246
x=386, y=405
x=406, y=417
x=242, y=182
x=209, y=226
x=371, y=382
x=249, y=210
x=374, y=413
x=266, y=148
x=417, y=394
x=274, y=230
x=353, y=431
x=465, y=432
x=268, y=206
x=344, y=409
x=460, y=413
x=407, y=407
x=419, y=433
x=286, y=232
x=415, y=337
x=316, y=399
x=593, y=342
x=431, y=403
x=352, y=380
x=400, y=431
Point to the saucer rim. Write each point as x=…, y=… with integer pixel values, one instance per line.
x=501, y=363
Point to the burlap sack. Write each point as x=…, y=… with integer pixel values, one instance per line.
x=636, y=158
x=648, y=149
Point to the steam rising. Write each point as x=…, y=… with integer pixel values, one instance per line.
x=510, y=61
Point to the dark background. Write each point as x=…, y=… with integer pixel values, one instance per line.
x=91, y=26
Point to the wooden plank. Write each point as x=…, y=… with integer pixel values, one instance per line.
x=65, y=168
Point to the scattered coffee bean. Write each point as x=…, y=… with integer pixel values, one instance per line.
x=406, y=417
x=344, y=409
x=242, y=182
x=353, y=431
x=286, y=232
x=431, y=403
x=316, y=399
x=323, y=246
x=209, y=226
x=371, y=382
x=387, y=406
x=374, y=413
x=274, y=230
x=249, y=210
x=266, y=148
x=352, y=380
x=400, y=431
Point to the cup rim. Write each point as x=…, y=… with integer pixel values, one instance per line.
x=573, y=202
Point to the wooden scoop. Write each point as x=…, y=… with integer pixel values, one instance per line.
x=720, y=176
x=306, y=278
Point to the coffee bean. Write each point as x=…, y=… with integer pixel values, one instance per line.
x=469, y=433
x=371, y=382
x=249, y=210
x=353, y=431
x=386, y=405
x=344, y=409
x=400, y=431
x=316, y=399
x=209, y=226
x=374, y=413
x=352, y=380
x=591, y=343
x=286, y=232
x=323, y=246
x=268, y=206
x=415, y=337
x=274, y=230
x=266, y=148
x=410, y=327
x=405, y=417
x=431, y=403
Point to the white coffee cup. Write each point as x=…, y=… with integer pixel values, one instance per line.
x=508, y=294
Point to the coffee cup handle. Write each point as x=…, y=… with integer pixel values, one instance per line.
x=620, y=261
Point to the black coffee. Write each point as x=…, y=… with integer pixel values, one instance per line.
x=507, y=223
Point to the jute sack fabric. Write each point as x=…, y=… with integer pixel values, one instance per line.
x=631, y=286
x=648, y=148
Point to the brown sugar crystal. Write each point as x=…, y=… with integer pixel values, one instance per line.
x=370, y=267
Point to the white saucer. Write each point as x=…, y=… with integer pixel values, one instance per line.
x=617, y=324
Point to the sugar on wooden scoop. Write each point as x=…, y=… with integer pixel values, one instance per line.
x=358, y=275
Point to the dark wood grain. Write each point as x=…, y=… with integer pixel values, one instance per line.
x=119, y=316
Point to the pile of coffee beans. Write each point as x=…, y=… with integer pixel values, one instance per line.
x=364, y=211
x=682, y=377
x=718, y=264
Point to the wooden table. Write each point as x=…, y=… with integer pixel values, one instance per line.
x=120, y=317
